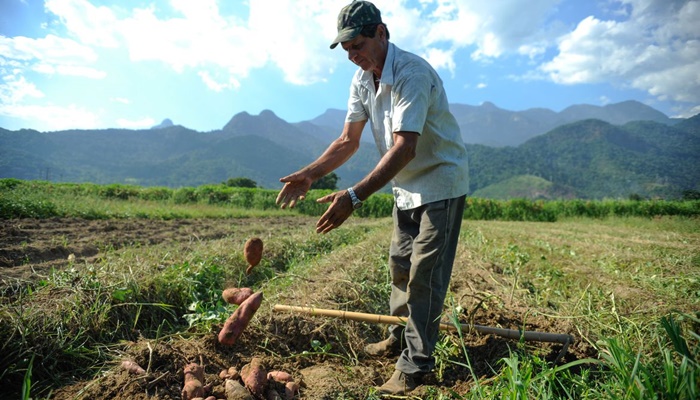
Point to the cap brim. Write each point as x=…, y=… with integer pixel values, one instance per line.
x=345, y=35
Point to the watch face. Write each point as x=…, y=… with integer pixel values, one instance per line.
x=357, y=205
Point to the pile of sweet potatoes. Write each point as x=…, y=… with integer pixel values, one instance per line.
x=255, y=382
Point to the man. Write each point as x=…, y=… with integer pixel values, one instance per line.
x=424, y=158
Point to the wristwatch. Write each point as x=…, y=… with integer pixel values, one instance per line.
x=356, y=203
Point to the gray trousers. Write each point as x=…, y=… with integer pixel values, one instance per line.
x=421, y=256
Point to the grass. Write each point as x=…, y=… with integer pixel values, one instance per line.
x=627, y=288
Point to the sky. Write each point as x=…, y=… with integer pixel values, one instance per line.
x=79, y=64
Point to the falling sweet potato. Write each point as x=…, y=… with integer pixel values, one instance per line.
x=236, y=295
x=193, y=387
x=279, y=376
x=252, y=250
x=133, y=368
x=254, y=377
x=239, y=320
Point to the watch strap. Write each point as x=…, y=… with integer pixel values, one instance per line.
x=356, y=202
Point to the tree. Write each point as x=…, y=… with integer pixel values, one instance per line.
x=329, y=181
x=241, y=182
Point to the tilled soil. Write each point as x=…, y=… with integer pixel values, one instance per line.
x=30, y=248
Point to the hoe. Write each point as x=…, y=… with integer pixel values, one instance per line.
x=562, y=338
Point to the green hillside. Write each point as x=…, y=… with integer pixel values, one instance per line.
x=525, y=187
x=586, y=159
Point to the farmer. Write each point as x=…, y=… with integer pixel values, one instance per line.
x=424, y=158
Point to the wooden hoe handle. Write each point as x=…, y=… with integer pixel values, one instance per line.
x=517, y=334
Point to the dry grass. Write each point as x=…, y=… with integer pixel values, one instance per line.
x=595, y=279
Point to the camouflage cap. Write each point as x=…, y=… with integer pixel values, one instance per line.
x=353, y=17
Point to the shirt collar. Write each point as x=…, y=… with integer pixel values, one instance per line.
x=388, y=70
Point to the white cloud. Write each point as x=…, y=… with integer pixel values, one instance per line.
x=198, y=38
x=657, y=50
x=50, y=49
x=15, y=88
x=687, y=112
x=92, y=25
x=294, y=36
x=50, y=55
x=136, y=124
x=69, y=70
x=297, y=36
x=121, y=100
x=51, y=117
x=481, y=85
x=441, y=59
x=650, y=45
x=219, y=83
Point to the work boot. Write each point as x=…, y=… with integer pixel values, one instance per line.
x=387, y=347
x=398, y=384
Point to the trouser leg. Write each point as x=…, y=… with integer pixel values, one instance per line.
x=422, y=253
x=405, y=230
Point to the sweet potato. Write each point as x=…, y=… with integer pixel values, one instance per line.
x=279, y=376
x=238, y=321
x=236, y=295
x=230, y=373
x=235, y=391
x=193, y=387
x=133, y=368
x=254, y=377
x=252, y=250
x=290, y=390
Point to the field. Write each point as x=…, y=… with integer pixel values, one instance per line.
x=80, y=295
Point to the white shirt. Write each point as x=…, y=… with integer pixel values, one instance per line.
x=411, y=98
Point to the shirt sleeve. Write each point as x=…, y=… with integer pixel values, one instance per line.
x=411, y=99
x=356, y=108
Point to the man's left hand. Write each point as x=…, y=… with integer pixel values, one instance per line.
x=339, y=210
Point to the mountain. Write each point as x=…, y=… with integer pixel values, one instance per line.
x=331, y=125
x=595, y=159
x=260, y=147
x=525, y=187
x=588, y=158
x=167, y=123
x=490, y=125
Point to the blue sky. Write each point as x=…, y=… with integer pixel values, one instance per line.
x=130, y=64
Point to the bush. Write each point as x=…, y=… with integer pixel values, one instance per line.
x=116, y=191
x=185, y=195
x=155, y=193
x=20, y=207
x=9, y=183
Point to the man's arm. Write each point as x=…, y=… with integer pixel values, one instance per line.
x=338, y=152
x=398, y=156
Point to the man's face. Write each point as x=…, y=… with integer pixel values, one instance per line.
x=367, y=53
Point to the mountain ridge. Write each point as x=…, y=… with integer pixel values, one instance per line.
x=588, y=158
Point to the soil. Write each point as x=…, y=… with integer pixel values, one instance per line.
x=30, y=248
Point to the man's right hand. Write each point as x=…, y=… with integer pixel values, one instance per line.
x=295, y=188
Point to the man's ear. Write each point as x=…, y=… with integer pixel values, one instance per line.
x=381, y=31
